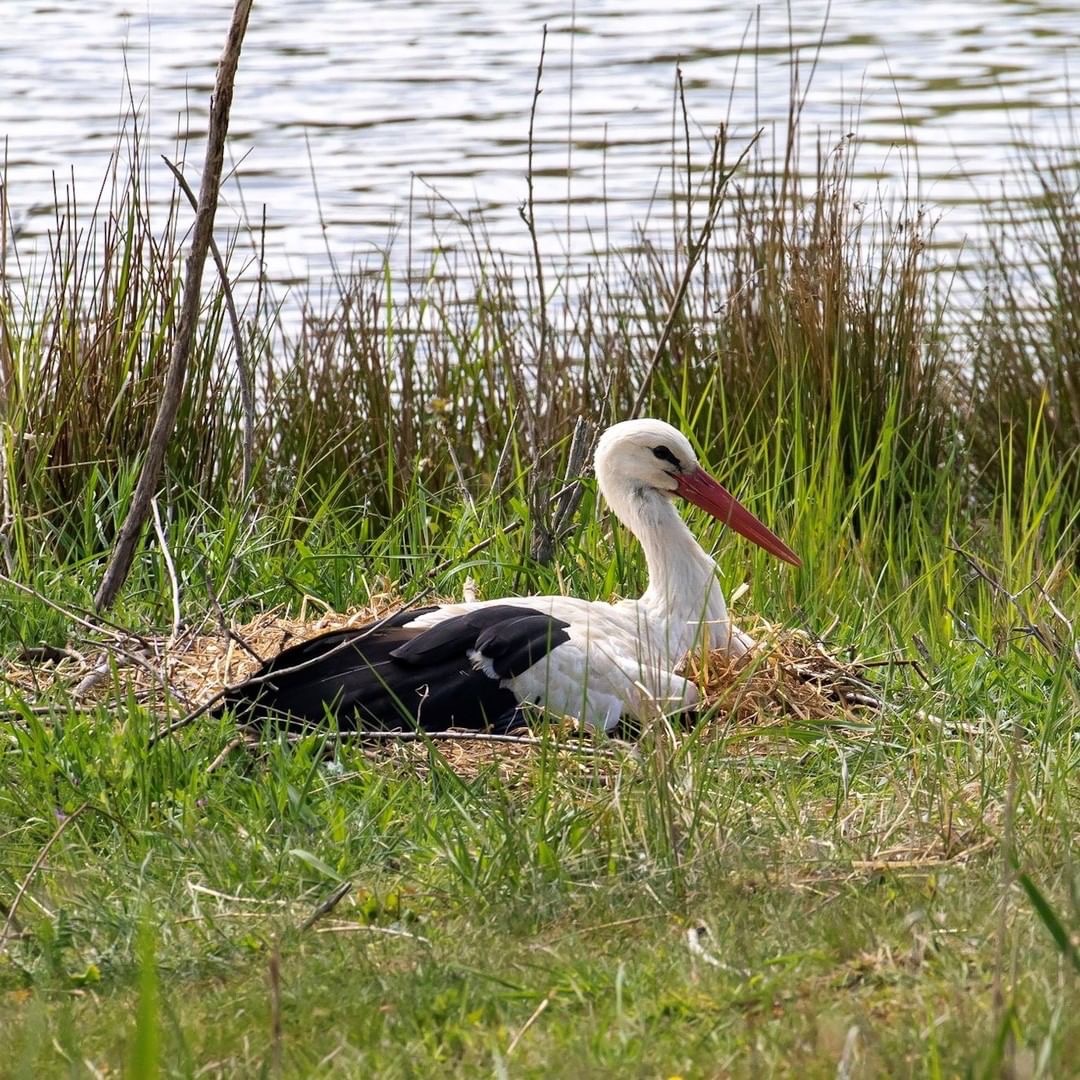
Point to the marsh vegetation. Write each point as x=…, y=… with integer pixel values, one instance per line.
x=891, y=889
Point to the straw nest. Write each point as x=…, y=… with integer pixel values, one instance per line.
x=790, y=680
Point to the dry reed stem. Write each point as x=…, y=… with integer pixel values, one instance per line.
x=150, y=474
x=246, y=375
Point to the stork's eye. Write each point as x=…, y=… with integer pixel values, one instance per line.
x=664, y=454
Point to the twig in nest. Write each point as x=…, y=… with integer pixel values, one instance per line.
x=190, y=718
x=227, y=631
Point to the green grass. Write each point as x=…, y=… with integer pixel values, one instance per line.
x=499, y=895
x=895, y=896
x=568, y=880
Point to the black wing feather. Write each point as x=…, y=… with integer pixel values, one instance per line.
x=391, y=675
x=453, y=637
x=514, y=645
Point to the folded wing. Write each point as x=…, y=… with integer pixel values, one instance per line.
x=391, y=675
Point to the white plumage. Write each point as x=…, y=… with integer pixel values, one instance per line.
x=474, y=664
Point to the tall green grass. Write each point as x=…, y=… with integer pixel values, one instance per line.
x=820, y=328
x=707, y=902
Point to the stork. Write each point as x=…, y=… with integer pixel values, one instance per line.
x=476, y=664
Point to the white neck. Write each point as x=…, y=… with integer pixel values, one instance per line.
x=683, y=593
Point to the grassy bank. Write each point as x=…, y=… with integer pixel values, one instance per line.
x=877, y=892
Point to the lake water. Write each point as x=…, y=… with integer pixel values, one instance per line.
x=357, y=121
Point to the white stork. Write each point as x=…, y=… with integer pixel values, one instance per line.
x=475, y=664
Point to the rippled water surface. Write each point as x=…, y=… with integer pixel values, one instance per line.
x=357, y=121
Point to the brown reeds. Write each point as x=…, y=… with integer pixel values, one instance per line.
x=809, y=321
x=1023, y=373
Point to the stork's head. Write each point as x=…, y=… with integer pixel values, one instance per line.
x=649, y=455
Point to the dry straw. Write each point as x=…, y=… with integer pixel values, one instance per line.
x=789, y=679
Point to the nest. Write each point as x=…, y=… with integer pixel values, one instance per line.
x=789, y=675
x=789, y=678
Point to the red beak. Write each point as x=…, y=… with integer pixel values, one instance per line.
x=702, y=490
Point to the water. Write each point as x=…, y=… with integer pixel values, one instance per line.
x=356, y=122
